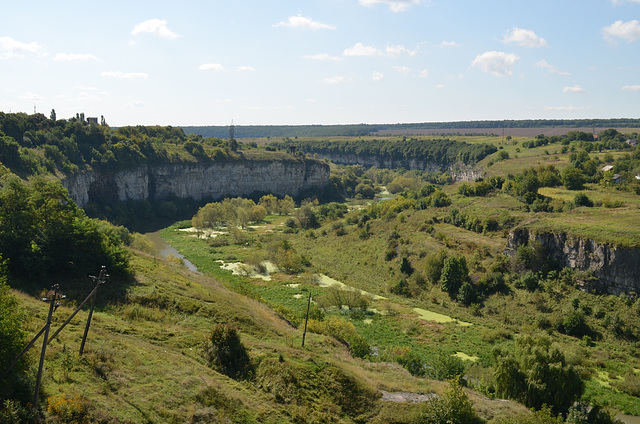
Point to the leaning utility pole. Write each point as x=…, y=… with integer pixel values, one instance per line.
x=52, y=306
x=102, y=277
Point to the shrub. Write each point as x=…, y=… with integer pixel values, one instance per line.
x=572, y=178
x=226, y=353
x=575, y=324
x=454, y=274
x=69, y=409
x=343, y=331
x=581, y=199
x=536, y=375
x=412, y=362
x=453, y=407
x=446, y=367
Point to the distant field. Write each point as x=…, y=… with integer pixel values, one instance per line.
x=514, y=132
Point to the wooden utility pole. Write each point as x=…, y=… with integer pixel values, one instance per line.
x=52, y=306
x=306, y=319
x=102, y=277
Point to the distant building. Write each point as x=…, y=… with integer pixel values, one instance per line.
x=92, y=121
x=607, y=168
x=632, y=142
x=616, y=178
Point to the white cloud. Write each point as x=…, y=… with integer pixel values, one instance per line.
x=246, y=68
x=361, y=50
x=622, y=1
x=135, y=103
x=32, y=97
x=125, y=75
x=155, y=26
x=335, y=80
x=404, y=70
x=631, y=88
x=550, y=68
x=524, y=38
x=424, y=73
x=211, y=67
x=395, y=51
x=496, y=63
x=394, y=5
x=75, y=57
x=304, y=23
x=10, y=47
x=629, y=31
x=449, y=44
x=439, y=86
x=322, y=56
x=575, y=89
x=569, y=108
x=377, y=76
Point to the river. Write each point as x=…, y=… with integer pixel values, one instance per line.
x=164, y=249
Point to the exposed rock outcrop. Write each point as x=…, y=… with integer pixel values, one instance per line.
x=617, y=268
x=199, y=181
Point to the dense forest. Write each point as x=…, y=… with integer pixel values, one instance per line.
x=354, y=130
x=443, y=151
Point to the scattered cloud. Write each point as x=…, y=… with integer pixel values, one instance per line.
x=246, y=68
x=135, y=103
x=631, y=87
x=424, y=73
x=629, y=31
x=524, y=38
x=496, y=63
x=323, y=56
x=449, y=44
x=211, y=67
x=304, y=23
x=125, y=75
x=377, y=76
x=404, y=70
x=395, y=51
x=75, y=57
x=622, y=1
x=439, y=86
x=550, y=68
x=12, y=48
x=575, y=89
x=361, y=50
x=155, y=26
x=394, y=5
x=335, y=80
x=32, y=97
x=569, y=108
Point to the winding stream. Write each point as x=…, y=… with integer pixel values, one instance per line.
x=164, y=249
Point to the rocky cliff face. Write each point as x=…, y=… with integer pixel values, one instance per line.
x=199, y=181
x=459, y=171
x=617, y=268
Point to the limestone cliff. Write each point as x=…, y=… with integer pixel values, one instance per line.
x=459, y=171
x=199, y=181
x=617, y=268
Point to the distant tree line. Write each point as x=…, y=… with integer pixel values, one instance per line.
x=353, y=130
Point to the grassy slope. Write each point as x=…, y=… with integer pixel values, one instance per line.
x=143, y=360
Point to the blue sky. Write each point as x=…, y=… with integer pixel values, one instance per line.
x=263, y=62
